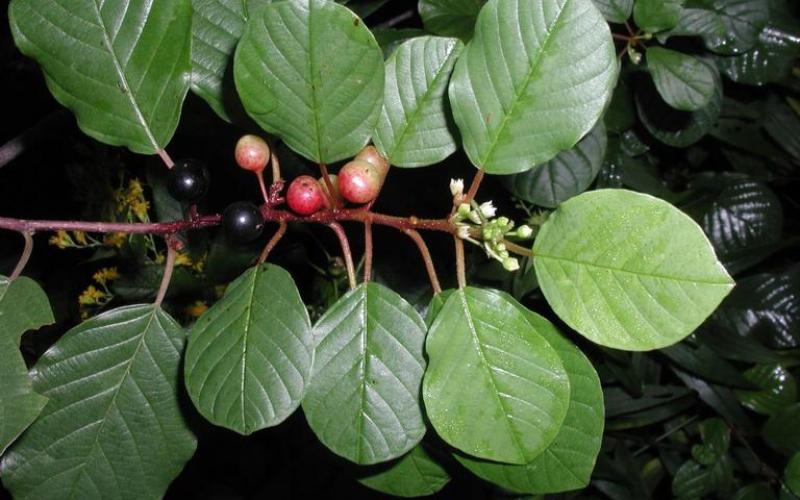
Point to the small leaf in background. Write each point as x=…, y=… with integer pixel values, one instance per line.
x=450, y=17
x=741, y=21
x=623, y=287
x=683, y=81
x=657, y=15
x=655, y=404
x=494, y=387
x=363, y=401
x=781, y=431
x=390, y=38
x=23, y=306
x=706, y=363
x=123, y=68
x=769, y=61
x=778, y=389
x=249, y=356
x=694, y=480
x=782, y=123
x=615, y=11
x=567, y=175
x=413, y=129
x=312, y=74
x=517, y=112
x=113, y=427
x=721, y=399
x=621, y=113
x=716, y=437
x=792, y=474
x=416, y=474
x=568, y=462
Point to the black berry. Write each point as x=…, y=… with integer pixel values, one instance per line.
x=188, y=180
x=243, y=222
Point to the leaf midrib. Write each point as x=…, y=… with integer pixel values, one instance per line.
x=247, y=325
x=314, y=104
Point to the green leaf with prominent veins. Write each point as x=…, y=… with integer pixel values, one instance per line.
x=657, y=15
x=113, y=427
x=413, y=129
x=450, y=17
x=363, y=401
x=532, y=82
x=568, y=462
x=123, y=68
x=310, y=72
x=23, y=306
x=567, y=175
x=494, y=387
x=249, y=356
x=416, y=474
x=615, y=11
x=683, y=81
x=627, y=270
x=740, y=22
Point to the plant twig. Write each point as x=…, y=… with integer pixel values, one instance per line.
x=335, y=203
x=426, y=258
x=272, y=242
x=346, y=253
x=276, y=169
x=161, y=228
x=26, y=255
x=397, y=19
x=461, y=267
x=517, y=249
x=476, y=184
x=169, y=266
x=162, y=153
x=263, y=186
x=367, y=251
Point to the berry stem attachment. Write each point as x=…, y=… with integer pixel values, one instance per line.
x=162, y=153
x=346, y=253
x=273, y=242
x=323, y=169
x=367, y=251
x=426, y=258
x=276, y=169
x=461, y=267
x=169, y=266
x=25, y=257
x=476, y=184
x=517, y=249
x=263, y=186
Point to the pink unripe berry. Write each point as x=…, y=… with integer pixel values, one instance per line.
x=360, y=181
x=252, y=153
x=305, y=196
x=371, y=155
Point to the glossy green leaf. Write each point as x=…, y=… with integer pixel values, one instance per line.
x=23, y=306
x=706, y=363
x=113, y=427
x=621, y=286
x=416, y=474
x=683, y=81
x=769, y=60
x=568, y=462
x=693, y=480
x=450, y=17
x=792, y=474
x=390, y=38
x=782, y=123
x=494, y=387
x=778, y=389
x=363, y=401
x=754, y=491
x=516, y=112
x=249, y=357
x=716, y=437
x=657, y=15
x=413, y=129
x=673, y=127
x=781, y=431
x=740, y=22
x=123, y=68
x=217, y=26
x=310, y=72
x=567, y=175
x=615, y=11
x=621, y=113
x=721, y=399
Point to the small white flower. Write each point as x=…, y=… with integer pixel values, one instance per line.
x=463, y=231
x=488, y=209
x=457, y=187
x=525, y=232
x=510, y=264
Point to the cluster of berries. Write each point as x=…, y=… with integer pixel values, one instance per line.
x=359, y=181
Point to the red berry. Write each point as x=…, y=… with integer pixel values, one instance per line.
x=360, y=181
x=371, y=155
x=252, y=153
x=305, y=196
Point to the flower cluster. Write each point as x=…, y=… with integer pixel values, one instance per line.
x=97, y=295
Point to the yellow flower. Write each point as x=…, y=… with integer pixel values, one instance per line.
x=135, y=189
x=61, y=239
x=80, y=237
x=114, y=240
x=183, y=259
x=196, y=309
x=200, y=264
x=91, y=296
x=105, y=275
x=140, y=208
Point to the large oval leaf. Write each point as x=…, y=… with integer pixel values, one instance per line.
x=770, y=60
x=23, y=306
x=123, y=68
x=568, y=462
x=628, y=270
x=363, y=401
x=311, y=72
x=113, y=426
x=657, y=15
x=249, y=356
x=740, y=21
x=416, y=474
x=413, y=129
x=494, y=388
x=450, y=17
x=532, y=82
x=683, y=81
x=567, y=175
x=615, y=11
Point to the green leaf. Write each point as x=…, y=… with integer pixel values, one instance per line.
x=693, y=480
x=782, y=123
x=416, y=474
x=217, y=26
x=567, y=175
x=792, y=474
x=706, y=363
x=781, y=431
x=413, y=128
x=656, y=403
x=769, y=60
x=673, y=127
x=390, y=38
x=311, y=73
x=23, y=306
x=567, y=463
x=716, y=439
x=113, y=426
x=627, y=270
x=363, y=401
x=450, y=17
x=249, y=356
x=621, y=113
x=721, y=399
x=494, y=387
x=740, y=22
x=516, y=112
x=615, y=11
x=123, y=68
x=657, y=15
x=778, y=389
x=683, y=81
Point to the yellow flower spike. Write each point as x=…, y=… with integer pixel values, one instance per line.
x=80, y=237
x=196, y=309
x=114, y=240
x=105, y=275
x=183, y=259
x=91, y=296
x=140, y=208
x=61, y=239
